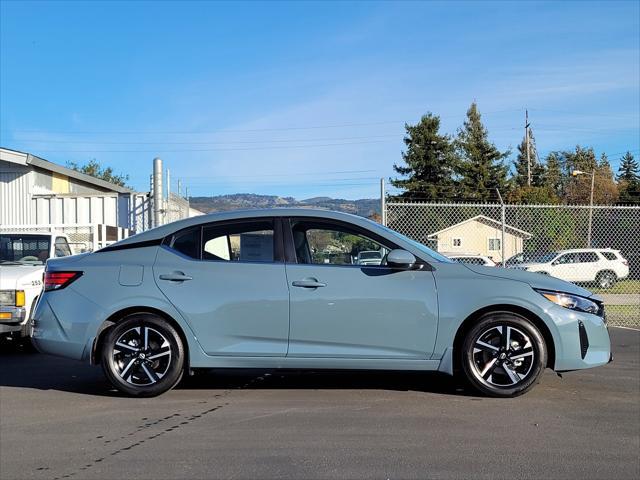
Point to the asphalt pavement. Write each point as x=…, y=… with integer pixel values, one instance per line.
x=60, y=419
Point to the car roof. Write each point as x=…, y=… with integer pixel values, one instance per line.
x=578, y=250
x=164, y=230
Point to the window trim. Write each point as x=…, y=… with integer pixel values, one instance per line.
x=489, y=249
x=290, y=250
x=278, y=247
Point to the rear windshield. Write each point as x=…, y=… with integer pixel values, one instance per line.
x=24, y=249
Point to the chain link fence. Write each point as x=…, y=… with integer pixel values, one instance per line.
x=596, y=247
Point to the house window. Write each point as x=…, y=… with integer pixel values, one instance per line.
x=494, y=244
x=457, y=242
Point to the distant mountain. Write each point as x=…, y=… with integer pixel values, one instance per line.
x=365, y=207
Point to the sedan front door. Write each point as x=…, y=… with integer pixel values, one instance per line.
x=340, y=309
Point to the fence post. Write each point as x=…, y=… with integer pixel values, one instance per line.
x=383, y=203
x=503, y=214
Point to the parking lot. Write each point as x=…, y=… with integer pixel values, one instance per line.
x=60, y=419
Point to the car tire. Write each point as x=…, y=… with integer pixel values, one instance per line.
x=143, y=355
x=606, y=280
x=503, y=355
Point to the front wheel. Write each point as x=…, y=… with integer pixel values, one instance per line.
x=503, y=355
x=143, y=355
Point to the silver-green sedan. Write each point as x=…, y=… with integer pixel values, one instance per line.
x=283, y=288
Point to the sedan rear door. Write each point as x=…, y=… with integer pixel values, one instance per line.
x=228, y=281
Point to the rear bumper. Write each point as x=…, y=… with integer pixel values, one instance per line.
x=55, y=334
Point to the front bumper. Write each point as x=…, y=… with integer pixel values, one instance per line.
x=12, y=319
x=583, y=339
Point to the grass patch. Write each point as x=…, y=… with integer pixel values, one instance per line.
x=623, y=315
x=623, y=286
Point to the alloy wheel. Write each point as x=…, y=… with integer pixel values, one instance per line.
x=503, y=356
x=142, y=356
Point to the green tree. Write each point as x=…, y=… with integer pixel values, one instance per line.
x=521, y=176
x=554, y=179
x=481, y=166
x=428, y=162
x=629, y=180
x=578, y=189
x=94, y=169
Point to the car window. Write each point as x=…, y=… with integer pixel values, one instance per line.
x=24, y=248
x=568, y=258
x=335, y=245
x=609, y=255
x=239, y=242
x=588, y=257
x=62, y=247
x=187, y=242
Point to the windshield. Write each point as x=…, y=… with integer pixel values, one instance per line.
x=423, y=248
x=24, y=249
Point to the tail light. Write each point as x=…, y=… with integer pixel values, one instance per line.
x=59, y=280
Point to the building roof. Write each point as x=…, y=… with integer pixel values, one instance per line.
x=23, y=158
x=486, y=220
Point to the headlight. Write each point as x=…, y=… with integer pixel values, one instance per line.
x=8, y=297
x=572, y=302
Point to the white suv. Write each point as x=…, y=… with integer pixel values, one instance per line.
x=603, y=266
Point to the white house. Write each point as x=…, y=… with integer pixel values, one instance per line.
x=480, y=235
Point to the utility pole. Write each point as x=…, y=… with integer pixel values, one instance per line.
x=526, y=136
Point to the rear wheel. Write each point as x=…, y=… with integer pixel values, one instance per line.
x=503, y=355
x=143, y=355
x=606, y=279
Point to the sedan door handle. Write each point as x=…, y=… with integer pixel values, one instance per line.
x=175, y=277
x=308, y=283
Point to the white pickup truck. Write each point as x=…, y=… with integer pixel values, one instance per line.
x=22, y=261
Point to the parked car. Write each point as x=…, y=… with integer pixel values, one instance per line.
x=369, y=257
x=587, y=265
x=522, y=257
x=22, y=262
x=242, y=290
x=471, y=259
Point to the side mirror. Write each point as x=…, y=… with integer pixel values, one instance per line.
x=401, y=259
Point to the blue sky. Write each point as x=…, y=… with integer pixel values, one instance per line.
x=305, y=98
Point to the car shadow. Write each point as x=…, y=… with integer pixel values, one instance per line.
x=21, y=367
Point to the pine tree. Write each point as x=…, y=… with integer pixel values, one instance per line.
x=553, y=177
x=629, y=180
x=521, y=176
x=481, y=167
x=429, y=162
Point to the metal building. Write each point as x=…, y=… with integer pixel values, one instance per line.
x=36, y=194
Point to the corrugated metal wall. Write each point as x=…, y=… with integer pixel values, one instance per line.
x=15, y=187
x=101, y=209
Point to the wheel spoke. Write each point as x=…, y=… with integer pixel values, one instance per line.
x=146, y=338
x=161, y=353
x=527, y=352
x=150, y=373
x=513, y=376
x=488, y=369
x=126, y=369
x=487, y=347
x=127, y=347
x=506, y=336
